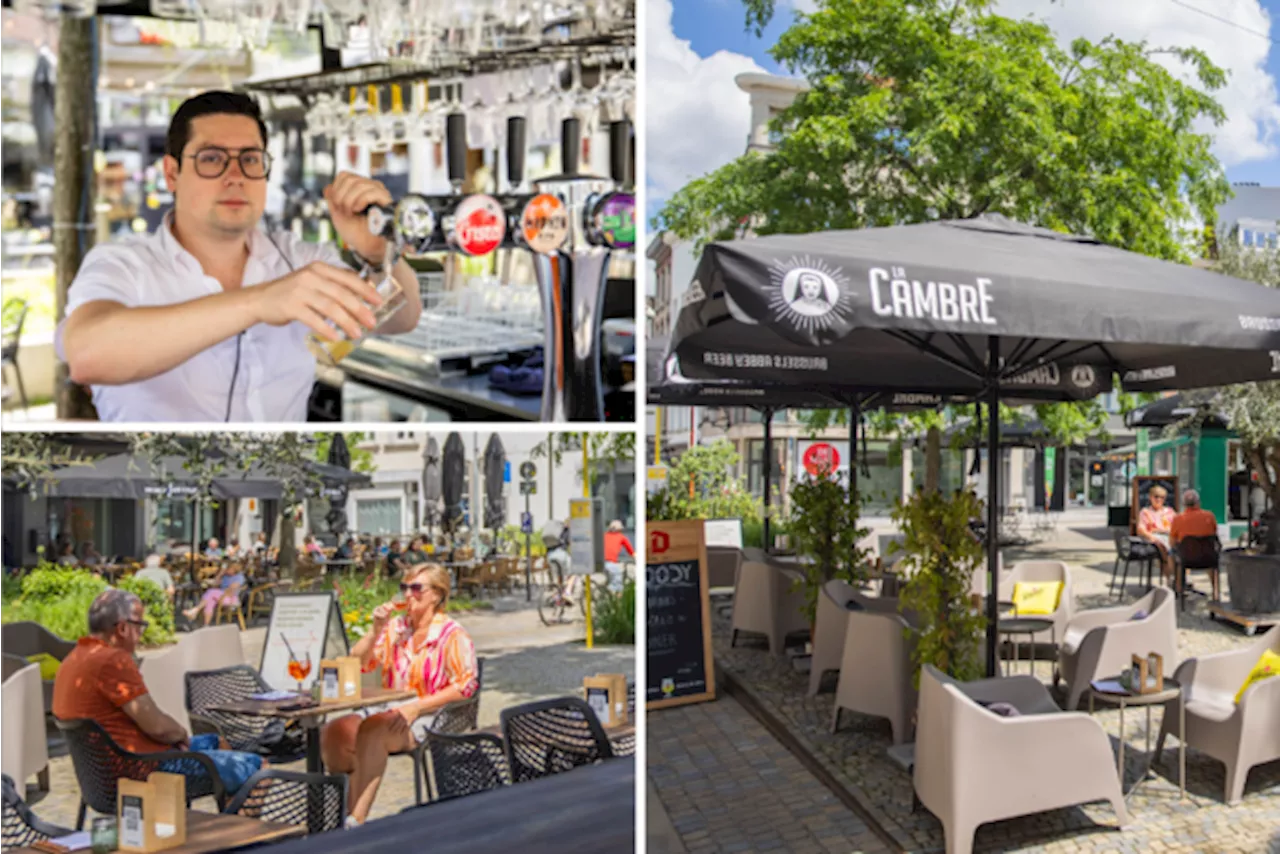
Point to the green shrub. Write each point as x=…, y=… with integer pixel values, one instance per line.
x=59, y=597
x=614, y=614
x=49, y=582
x=159, y=610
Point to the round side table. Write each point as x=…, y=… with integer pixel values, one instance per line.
x=1123, y=698
x=1029, y=626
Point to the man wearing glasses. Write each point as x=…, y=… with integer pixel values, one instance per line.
x=100, y=681
x=207, y=319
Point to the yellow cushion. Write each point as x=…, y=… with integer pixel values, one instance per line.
x=1036, y=597
x=1268, y=665
x=48, y=664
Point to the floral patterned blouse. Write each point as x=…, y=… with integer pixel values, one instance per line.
x=1156, y=521
x=446, y=657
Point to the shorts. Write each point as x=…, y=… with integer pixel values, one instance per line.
x=419, y=727
x=235, y=767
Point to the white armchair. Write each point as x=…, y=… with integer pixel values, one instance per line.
x=24, y=742
x=764, y=602
x=1101, y=642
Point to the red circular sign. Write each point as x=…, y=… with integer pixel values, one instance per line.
x=821, y=458
x=481, y=225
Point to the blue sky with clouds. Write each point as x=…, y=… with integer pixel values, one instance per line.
x=695, y=47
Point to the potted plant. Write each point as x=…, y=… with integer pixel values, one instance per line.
x=701, y=485
x=824, y=531
x=940, y=555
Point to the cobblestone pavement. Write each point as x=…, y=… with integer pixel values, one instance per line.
x=524, y=661
x=856, y=754
x=729, y=785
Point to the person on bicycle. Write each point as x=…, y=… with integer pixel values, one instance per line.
x=614, y=542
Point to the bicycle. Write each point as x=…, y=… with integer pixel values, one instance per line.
x=558, y=597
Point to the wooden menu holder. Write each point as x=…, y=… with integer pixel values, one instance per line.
x=152, y=816
x=608, y=693
x=1147, y=674
x=340, y=679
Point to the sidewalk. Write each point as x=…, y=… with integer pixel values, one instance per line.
x=727, y=784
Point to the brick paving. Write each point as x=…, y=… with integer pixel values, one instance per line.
x=855, y=755
x=729, y=785
x=524, y=661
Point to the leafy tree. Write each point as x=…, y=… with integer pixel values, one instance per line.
x=31, y=459
x=701, y=485
x=824, y=528
x=939, y=109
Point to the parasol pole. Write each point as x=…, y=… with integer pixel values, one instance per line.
x=768, y=471
x=993, y=498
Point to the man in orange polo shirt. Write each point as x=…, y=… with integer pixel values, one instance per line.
x=1195, y=521
x=100, y=681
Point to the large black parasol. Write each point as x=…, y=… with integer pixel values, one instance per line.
x=453, y=473
x=985, y=306
x=432, y=505
x=495, y=502
x=1176, y=408
x=339, y=457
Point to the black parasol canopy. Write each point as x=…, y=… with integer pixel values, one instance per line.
x=1175, y=408
x=340, y=458
x=984, y=306
x=495, y=502
x=452, y=477
x=432, y=505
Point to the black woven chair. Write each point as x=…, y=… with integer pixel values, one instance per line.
x=1131, y=550
x=463, y=765
x=452, y=718
x=1197, y=553
x=269, y=737
x=551, y=736
x=626, y=745
x=100, y=763
x=318, y=801
x=21, y=826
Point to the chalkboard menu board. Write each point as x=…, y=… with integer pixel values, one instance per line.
x=679, y=663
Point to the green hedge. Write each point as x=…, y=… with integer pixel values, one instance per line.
x=58, y=598
x=614, y=614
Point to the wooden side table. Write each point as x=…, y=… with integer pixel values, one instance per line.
x=1119, y=696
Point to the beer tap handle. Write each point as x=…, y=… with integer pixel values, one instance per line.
x=570, y=145
x=515, y=152
x=620, y=153
x=456, y=149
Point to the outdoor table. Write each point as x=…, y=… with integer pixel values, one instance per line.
x=1029, y=626
x=311, y=716
x=591, y=808
x=208, y=832
x=1110, y=691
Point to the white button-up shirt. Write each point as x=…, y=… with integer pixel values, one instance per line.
x=276, y=370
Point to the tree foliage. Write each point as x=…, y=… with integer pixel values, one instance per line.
x=361, y=458
x=940, y=109
x=702, y=484
x=30, y=459
x=824, y=529
x=604, y=450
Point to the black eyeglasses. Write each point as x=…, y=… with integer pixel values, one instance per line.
x=142, y=624
x=415, y=587
x=212, y=162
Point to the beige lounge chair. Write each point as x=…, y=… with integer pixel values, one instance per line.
x=831, y=624
x=875, y=671
x=28, y=638
x=1238, y=735
x=1043, y=571
x=163, y=674
x=722, y=566
x=765, y=603
x=1102, y=642
x=973, y=766
x=24, y=746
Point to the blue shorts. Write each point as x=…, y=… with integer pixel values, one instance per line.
x=234, y=767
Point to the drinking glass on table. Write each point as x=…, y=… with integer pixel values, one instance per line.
x=300, y=669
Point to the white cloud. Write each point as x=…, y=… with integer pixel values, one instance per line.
x=696, y=117
x=1252, y=129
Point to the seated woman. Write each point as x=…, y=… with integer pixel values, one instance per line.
x=230, y=581
x=419, y=649
x=1158, y=519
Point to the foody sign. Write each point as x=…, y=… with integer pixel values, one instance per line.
x=679, y=664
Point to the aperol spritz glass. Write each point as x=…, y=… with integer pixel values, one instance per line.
x=300, y=669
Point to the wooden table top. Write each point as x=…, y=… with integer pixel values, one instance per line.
x=269, y=709
x=208, y=832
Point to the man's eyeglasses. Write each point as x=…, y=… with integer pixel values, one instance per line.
x=141, y=624
x=212, y=162
x=414, y=588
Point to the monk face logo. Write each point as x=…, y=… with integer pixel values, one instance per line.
x=810, y=294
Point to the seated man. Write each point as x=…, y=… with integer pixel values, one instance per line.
x=1195, y=521
x=100, y=680
x=152, y=571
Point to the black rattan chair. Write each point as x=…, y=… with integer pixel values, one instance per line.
x=269, y=737
x=1131, y=550
x=100, y=763
x=21, y=825
x=317, y=800
x=451, y=719
x=550, y=736
x=463, y=764
x=626, y=745
x=1197, y=553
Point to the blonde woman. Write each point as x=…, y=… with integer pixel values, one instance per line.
x=1158, y=519
x=419, y=649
